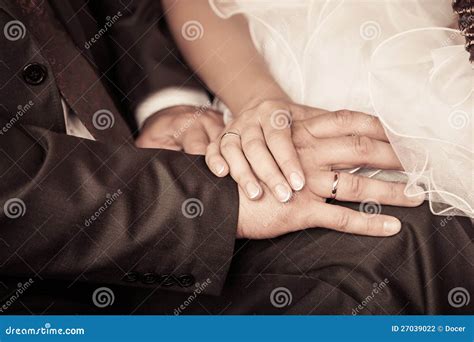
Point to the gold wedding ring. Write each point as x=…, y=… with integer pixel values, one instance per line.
x=335, y=183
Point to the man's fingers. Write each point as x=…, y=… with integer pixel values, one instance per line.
x=195, y=141
x=277, y=134
x=356, y=150
x=240, y=170
x=345, y=122
x=263, y=164
x=355, y=188
x=354, y=222
x=164, y=142
x=213, y=128
x=214, y=160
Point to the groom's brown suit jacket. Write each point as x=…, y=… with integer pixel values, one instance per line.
x=146, y=237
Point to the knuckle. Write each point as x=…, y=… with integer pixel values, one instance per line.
x=342, y=222
x=274, y=136
x=343, y=118
x=362, y=145
x=370, y=227
x=393, y=193
x=253, y=145
x=356, y=187
x=227, y=146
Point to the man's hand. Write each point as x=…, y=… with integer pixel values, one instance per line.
x=343, y=139
x=185, y=128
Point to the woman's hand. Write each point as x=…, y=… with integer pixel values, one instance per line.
x=257, y=145
x=324, y=142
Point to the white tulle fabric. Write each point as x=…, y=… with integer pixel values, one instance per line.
x=396, y=59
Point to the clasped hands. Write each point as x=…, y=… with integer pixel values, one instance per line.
x=283, y=156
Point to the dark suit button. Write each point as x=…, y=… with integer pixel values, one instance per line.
x=167, y=280
x=130, y=277
x=149, y=278
x=34, y=73
x=186, y=280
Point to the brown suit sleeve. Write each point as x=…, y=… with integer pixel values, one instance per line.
x=80, y=210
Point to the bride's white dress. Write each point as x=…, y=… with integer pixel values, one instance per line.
x=401, y=60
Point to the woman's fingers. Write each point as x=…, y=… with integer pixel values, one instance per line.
x=263, y=164
x=231, y=149
x=354, y=222
x=355, y=188
x=345, y=122
x=214, y=160
x=277, y=133
x=355, y=150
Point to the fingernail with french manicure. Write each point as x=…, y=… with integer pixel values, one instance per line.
x=296, y=181
x=283, y=193
x=253, y=190
x=219, y=168
x=392, y=226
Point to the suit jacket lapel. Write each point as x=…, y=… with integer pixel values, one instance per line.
x=70, y=18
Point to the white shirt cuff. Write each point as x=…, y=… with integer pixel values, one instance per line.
x=169, y=97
